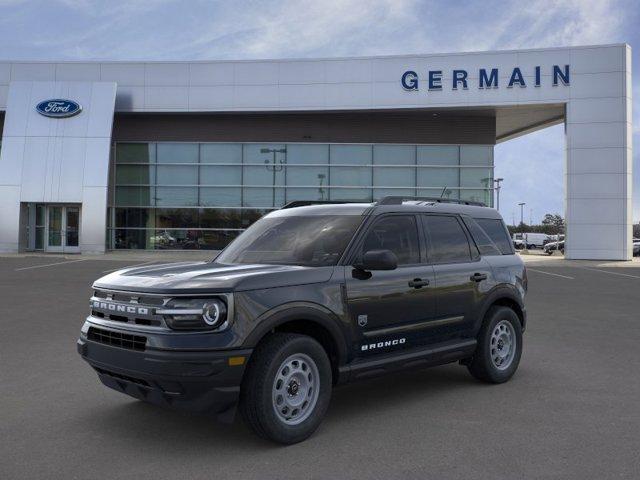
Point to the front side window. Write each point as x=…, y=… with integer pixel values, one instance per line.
x=397, y=233
x=447, y=240
x=313, y=241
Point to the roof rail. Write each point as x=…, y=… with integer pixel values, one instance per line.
x=306, y=203
x=397, y=200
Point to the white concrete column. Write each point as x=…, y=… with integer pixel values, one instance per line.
x=599, y=162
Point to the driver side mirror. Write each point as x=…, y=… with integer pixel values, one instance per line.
x=377, y=260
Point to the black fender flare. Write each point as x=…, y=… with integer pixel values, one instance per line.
x=306, y=311
x=499, y=293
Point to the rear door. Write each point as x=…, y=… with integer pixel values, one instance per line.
x=461, y=276
x=387, y=307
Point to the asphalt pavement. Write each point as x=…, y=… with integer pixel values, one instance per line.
x=571, y=411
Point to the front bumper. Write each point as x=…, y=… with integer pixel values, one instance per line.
x=198, y=381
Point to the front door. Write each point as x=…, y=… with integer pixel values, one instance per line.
x=388, y=308
x=63, y=229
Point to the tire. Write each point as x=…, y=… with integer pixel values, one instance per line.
x=287, y=372
x=490, y=363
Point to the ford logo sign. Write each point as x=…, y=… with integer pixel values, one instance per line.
x=58, y=108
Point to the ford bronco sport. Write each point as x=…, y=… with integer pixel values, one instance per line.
x=308, y=297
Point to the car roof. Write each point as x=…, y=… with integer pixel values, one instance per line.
x=474, y=211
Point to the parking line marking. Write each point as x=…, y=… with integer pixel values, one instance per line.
x=130, y=266
x=49, y=265
x=549, y=273
x=612, y=273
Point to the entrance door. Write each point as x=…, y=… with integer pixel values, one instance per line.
x=63, y=229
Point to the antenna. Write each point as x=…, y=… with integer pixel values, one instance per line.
x=444, y=190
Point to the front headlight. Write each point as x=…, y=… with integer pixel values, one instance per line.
x=195, y=313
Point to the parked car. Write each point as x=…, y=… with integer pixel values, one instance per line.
x=309, y=297
x=551, y=247
x=636, y=247
x=532, y=240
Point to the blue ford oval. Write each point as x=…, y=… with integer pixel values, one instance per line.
x=58, y=108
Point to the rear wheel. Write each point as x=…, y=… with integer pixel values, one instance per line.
x=287, y=388
x=499, y=346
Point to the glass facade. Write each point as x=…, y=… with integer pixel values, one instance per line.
x=202, y=195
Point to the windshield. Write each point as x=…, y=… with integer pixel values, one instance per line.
x=313, y=241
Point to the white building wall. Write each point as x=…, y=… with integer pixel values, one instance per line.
x=56, y=160
x=598, y=115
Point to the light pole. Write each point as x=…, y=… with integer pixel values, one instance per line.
x=274, y=167
x=497, y=182
x=522, y=204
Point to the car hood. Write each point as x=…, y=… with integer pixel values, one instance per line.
x=207, y=277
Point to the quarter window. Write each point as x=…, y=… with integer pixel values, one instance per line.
x=498, y=233
x=447, y=240
x=397, y=233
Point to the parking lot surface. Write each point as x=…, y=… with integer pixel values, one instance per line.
x=571, y=411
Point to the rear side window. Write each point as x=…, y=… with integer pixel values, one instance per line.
x=497, y=233
x=397, y=233
x=484, y=243
x=447, y=241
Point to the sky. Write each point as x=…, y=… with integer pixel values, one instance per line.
x=532, y=165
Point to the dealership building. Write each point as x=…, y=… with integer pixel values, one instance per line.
x=185, y=155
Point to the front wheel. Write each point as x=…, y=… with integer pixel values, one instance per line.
x=286, y=390
x=499, y=346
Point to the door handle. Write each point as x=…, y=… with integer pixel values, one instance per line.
x=478, y=277
x=418, y=283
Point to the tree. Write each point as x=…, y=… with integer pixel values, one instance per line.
x=553, y=219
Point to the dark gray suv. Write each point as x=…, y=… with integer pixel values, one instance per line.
x=308, y=297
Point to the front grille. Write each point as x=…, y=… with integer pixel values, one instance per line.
x=131, y=308
x=117, y=339
x=119, y=376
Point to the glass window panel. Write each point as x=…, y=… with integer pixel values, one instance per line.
x=39, y=238
x=438, y=177
x=476, y=177
x=438, y=193
x=176, y=218
x=319, y=193
x=134, y=217
x=307, y=176
x=132, y=239
x=476, y=155
x=265, y=173
x=351, y=194
x=40, y=215
x=394, y=177
x=351, y=154
x=132, y=196
x=263, y=197
x=177, y=196
x=135, y=175
x=398, y=234
x=220, y=175
x=135, y=152
x=437, y=155
x=306, y=154
x=177, y=175
x=221, y=218
x=394, y=155
x=379, y=193
x=251, y=215
x=177, y=152
x=220, y=197
x=498, y=233
x=351, y=176
x=446, y=239
x=221, y=153
x=483, y=196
